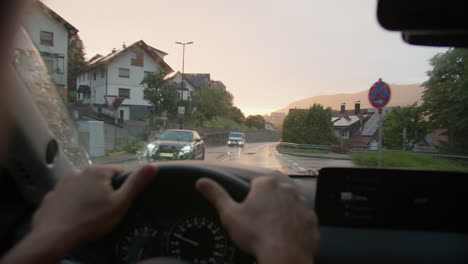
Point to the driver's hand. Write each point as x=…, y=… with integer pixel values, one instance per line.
x=274, y=223
x=85, y=206
x=80, y=208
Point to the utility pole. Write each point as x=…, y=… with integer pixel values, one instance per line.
x=182, y=83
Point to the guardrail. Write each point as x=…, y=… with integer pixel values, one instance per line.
x=435, y=154
x=357, y=148
x=304, y=146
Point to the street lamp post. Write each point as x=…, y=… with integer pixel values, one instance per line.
x=182, y=83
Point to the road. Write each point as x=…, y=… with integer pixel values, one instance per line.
x=265, y=155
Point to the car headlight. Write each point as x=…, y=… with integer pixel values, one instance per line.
x=151, y=147
x=185, y=150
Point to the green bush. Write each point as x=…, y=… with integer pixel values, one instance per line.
x=130, y=146
x=396, y=159
x=72, y=96
x=310, y=126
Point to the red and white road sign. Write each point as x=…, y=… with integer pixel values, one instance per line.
x=110, y=100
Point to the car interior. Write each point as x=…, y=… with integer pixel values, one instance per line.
x=366, y=215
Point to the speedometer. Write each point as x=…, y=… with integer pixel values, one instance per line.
x=199, y=240
x=141, y=242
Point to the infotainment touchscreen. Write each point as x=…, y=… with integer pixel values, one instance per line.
x=397, y=199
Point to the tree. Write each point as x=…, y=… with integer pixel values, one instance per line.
x=199, y=117
x=256, y=121
x=410, y=117
x=311, y=126
x=446, y=96
x=76, y=62
x=236, y=115
x=161, y=94
x=213, y=102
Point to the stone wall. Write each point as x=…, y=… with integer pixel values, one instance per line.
x=130, y=130
x=251, y=136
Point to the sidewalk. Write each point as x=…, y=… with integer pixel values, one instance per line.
x=118, y=157
x=319, y=155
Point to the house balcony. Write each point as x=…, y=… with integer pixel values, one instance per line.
x=58, y=78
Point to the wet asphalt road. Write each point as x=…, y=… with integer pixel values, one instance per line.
x=264, y=155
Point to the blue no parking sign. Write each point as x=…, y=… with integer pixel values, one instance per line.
x=379, y=94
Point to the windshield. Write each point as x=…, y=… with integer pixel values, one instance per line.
x=29, y=66
x=309, y=85
x=236, y=135
x=177, y=136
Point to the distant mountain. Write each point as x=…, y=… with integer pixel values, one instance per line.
x=402, y=95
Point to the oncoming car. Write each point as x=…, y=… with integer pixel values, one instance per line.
x=236, y=139
x=176, y=144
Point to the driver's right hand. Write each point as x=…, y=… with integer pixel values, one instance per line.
x=274, y=222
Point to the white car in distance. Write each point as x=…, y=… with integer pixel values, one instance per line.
x=236, y=139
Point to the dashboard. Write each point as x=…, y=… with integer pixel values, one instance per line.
x=366, y=216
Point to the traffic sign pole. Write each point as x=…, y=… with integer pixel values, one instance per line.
x=379, y=96
x=379, y=158
x=181, y=111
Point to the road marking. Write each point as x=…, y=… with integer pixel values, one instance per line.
x=295, y=164
x=222, y=155
x=225, y=159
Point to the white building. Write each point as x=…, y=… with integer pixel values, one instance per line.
x=50, y=34
x=120, y=74
x=192, y=82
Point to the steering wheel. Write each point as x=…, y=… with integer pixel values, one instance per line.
x=183, y=176
x=169, y=206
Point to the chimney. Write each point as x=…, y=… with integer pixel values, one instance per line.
x=114, y=50
x=357, y=107
x=343, y=108
x=124, y=46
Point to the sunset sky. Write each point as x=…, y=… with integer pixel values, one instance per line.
x=269, y=53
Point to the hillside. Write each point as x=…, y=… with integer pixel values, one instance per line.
x=401, y=95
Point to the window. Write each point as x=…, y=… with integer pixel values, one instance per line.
x=47, y=38
x=94, y=75
x=87, y=76
x=146, y=74
x=124, y=93
x=344, y=132
x=102, y=74
x=124, y=73
x=146, y=94
x=49, y=63
x=136, y=58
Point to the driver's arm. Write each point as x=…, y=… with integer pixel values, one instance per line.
x=80, y=208
x=274, y=223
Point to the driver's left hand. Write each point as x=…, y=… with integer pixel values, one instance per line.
x=80, y=208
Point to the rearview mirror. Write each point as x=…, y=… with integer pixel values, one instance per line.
x=426, y=22
x=198, y=140
x=422, y=15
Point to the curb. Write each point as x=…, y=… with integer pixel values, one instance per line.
x=116, y=161
x=297, y=154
